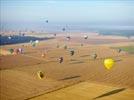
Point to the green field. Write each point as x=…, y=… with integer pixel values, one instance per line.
x=129, y=49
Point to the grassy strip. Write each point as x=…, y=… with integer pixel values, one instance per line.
x=129, y=49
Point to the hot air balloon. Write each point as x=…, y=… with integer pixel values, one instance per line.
x=60, y=59
x=43, y=55
x=68, y=38
x=9, y=37
x=33, y=44
x=81, y=44
x=85, y=36
x=46, y=21
x=44, y=52
x=108, y=63
x=40, y=74
x=11, y=50
x=20, y=50
x=72, y=52
x=55, y=34
x=57, y=46
x=37, y=41
x=23, y=34
x=94, y=56
x=31, y=41
x=65, y=46
x=119, y=50
x=63, y=29
x=16, y=51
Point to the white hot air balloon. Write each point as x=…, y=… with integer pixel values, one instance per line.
x=9, y=37
x=37, y=41
x=85, y=36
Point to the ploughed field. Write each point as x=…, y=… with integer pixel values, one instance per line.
x=19, y=78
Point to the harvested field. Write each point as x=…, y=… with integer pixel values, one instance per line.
x=19, y=78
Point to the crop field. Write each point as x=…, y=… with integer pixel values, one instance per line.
x=19, y=78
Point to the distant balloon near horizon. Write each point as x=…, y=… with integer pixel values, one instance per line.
x=55, y=34
x=63, y=29
x=46, y=21
x=11, y=50
x=68, y=38
x=119, y=50
x=81, y=44
x=9, y=37
x=37, y=41
x=85, y=36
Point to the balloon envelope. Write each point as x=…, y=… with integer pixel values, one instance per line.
x=108, y=63
x=63, y=29
x=40, y=74
x=11, y=50
x=37, y=41
x=94, y=56
x=34, y=44
x=65, y=46
x=46, y=21
x=85, y=36
x=119, y=50
x=9, y=37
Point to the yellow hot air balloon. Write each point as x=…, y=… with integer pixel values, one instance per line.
x=108, y=63
x=40, y=74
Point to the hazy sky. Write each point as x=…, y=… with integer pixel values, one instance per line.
x=70, y=11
